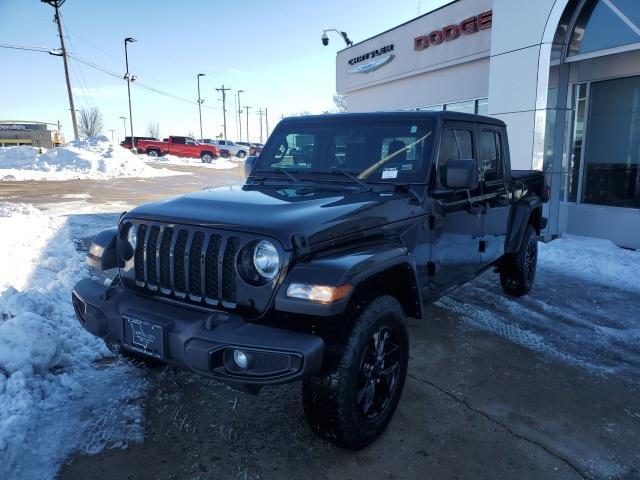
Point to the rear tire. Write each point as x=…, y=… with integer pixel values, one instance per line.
x=518, y=270
x=352, y=403
x=206, y=157
x=241, y=154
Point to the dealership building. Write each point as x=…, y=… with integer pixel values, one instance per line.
x=36, y=134
x=563, y=74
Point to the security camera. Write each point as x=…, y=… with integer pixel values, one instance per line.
x=325, y=39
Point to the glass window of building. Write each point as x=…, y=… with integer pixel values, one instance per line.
x=482, y=106
x=468, y=106
x=432, y=108
x=602, y=25
x=612, y=151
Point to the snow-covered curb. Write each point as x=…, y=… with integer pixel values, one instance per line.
x=54, y=398
x=217, y=164
x=95, y=158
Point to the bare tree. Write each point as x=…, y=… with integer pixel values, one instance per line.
x=153, y=129
x=340, y=101
x=90, y=123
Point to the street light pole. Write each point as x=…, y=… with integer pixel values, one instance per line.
x=266, y=120
x=56, y=4
x=129, y=79
x=200, y=103
x=240, y=115
x=260, y=114
x=247, y=107
x=124, y=127
x=112, y=134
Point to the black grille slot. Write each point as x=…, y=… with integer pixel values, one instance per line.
x=152, y=245
x=139, y=255
x=165, y=259
x=178, y=261
x=229, y=270
x=195, y=285
x=211, y=267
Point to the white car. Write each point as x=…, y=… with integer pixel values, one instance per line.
x=227, y=147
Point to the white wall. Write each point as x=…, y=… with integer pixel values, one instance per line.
x=452, y=71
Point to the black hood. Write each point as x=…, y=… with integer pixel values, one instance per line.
x=282, y=212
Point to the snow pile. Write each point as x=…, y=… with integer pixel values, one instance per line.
x=217, y=164
x=593, y=259
x=93, y=158
x=55, y=398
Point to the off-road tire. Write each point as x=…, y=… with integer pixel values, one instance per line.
x=330, y=400
x=206, y=157
x=518, y=270
x=241, y=154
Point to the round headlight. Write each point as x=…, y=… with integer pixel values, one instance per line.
x=266, y=259
x=132, y=236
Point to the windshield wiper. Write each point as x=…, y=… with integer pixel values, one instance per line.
x=353, y=178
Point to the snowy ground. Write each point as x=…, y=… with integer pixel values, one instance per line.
x=218, y=164
x=56, y=395
x=60, y=393
x=94, y=158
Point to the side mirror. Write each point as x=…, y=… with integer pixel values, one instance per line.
x=249, y=162
x=462, y=174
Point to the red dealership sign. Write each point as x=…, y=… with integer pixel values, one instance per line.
x=451, y=32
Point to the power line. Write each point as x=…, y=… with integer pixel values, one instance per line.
x=31, y=48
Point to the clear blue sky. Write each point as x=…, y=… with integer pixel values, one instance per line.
x=271, y=49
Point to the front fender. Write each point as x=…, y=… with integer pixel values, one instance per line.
x=353, y=267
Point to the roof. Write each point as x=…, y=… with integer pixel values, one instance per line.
x=396, y=115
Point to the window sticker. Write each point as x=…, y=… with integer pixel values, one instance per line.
x=406, y=166
x=414, y=128
x=390, y=173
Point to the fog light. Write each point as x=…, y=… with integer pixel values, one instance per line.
x=241, y=359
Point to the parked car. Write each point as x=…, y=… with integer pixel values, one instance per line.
x=256, y=148
x=181, y=147
x=126, y=143
x=228, y=148
x=309, y=270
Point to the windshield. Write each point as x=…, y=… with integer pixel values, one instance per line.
x=397, y=151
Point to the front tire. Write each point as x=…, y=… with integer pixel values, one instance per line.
x=518, y=270
x=351, y=404
x=241, y=154
x=206, y=157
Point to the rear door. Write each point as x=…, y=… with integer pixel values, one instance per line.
x=176, y=146
x=494, y=175
x=456, y=223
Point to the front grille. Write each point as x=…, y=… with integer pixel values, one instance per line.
x=187, y=263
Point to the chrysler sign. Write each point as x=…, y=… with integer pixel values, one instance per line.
x=454, y=31
x=377, y=58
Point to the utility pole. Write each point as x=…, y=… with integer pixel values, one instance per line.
x=124, y=127
x=247, y=107
x=224, y=108
x=200, y=103
x=266, y=120
x=240, y=115
x=129, y=78
x=112, y=134
x=56, y=4
x=260, y=114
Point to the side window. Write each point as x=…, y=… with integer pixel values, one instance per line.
x=178, y=140
x=189, y=141
x=456, y=144
x=490, y=156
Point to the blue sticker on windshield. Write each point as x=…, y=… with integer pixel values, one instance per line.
x=414, y=128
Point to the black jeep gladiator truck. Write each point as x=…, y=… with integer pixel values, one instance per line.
x=346, y=225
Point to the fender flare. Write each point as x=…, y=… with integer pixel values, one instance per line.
x=353, y=268
x=521, y=214
x=102, y=254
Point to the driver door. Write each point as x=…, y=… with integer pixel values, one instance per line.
x=456, y=223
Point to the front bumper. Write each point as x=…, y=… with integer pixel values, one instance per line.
x=201, y=341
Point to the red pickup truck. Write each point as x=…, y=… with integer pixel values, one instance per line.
x=179, y=146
